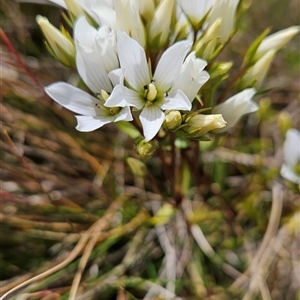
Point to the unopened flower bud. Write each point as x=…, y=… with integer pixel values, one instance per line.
x=224, y=10
x=220, y=69
x=137, y=167
x=60, y=46
x=74, y=8
x=147, y=8
x=129, y=20
x=145, y=149
x=255, y=76
x=173, y=119
x=159, y=28
x=276, y=41
x=206, y=43
x=200, y=124
x=196, y=10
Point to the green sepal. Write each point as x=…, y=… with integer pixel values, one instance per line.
x=249, y=56
x=129, y=129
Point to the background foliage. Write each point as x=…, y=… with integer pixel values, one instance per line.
x=57, y=182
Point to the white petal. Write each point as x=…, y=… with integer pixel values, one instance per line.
x=84, y=35
x=235, y=107
x=60, y=3
x=124, y=115
x=116, y=77
x=122, y=96
x=151, y=118
x=104, y=15
x=72, y=98
x=195, y=9
x=291, y=147
x=133, y=61
x=100, y=10
x=289, y=174
x=93, y=74
x=176, y=101
x=169, y=65
x=90, y=123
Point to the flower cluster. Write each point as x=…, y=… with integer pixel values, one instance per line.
x=154, y=63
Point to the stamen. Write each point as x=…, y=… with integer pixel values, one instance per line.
x=152, y=92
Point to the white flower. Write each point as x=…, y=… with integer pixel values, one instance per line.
x=147, y=93
x=276, y=41
x=224, y=10
x=93, y=113
x=290, y=169
x=95, y=55
x=192, y=77
x=160, y=25
x=129, y=20
x=195, y=9
x=257, y=73
x=235, y=107
x=102, y=11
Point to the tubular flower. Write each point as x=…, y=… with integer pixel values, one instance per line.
x=276, y=41
x=195, y=9
x=150, y=94
x=290, y=169
x=235, y=107
x=224, y=10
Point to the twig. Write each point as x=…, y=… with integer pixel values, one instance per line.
x=78, y=248
x=269, y=235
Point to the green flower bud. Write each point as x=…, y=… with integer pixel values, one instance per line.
x=145, y=149
x=60, y=45
x=173, y=119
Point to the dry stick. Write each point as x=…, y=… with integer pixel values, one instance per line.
x=78, y=248
x=260, y=273
x=84, y=259
x=203, y=242
x=270, y=233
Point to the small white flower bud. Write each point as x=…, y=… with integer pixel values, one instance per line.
x=200, y=124
x=173, y=119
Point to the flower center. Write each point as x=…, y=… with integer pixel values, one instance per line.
x=150, y=93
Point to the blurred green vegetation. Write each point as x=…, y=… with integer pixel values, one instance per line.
x=56, y=183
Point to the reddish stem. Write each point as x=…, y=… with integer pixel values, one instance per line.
x=18, y=58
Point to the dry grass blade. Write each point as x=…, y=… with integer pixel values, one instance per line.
x=99, y=225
